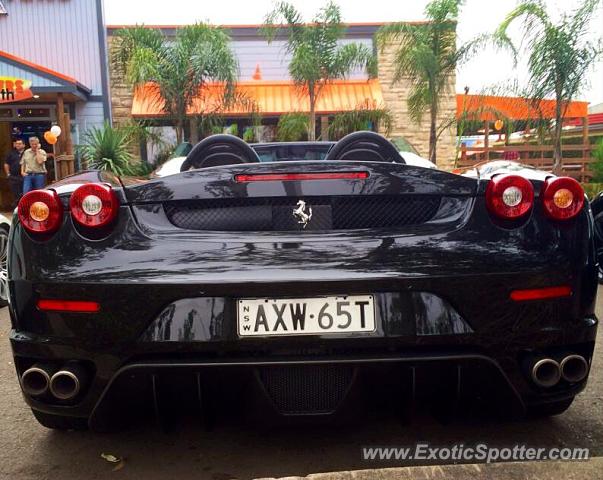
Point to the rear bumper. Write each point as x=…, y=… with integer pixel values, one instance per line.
x=168, y=301
x=468, y=364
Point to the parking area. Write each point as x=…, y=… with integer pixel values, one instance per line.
x=29, y=451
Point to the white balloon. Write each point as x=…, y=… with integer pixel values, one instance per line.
x=56, y=130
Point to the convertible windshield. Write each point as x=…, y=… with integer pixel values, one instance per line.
x=279, y=152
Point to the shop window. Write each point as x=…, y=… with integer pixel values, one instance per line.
x=33, y=112
x=6, y=112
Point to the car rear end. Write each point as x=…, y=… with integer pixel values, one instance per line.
x=406, y=282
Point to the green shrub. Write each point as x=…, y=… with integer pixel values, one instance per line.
x=592, y=189
x=164, y=154
x=141, y=169
x=597, y=165
x=106, y=148
x=249, y=135
x=364, y=117
x=292, y=127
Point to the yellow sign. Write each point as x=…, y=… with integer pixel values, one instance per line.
x=13, y=89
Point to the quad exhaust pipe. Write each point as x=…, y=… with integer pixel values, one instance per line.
x=35, y=380
x=67, y=382
x=547, y=372
x=574, y=368
x=62, y=384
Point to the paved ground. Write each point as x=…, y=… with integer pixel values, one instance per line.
x=28, y=451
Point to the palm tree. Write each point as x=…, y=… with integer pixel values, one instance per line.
x=180, y=67
x=317, y=56
x=427, y=55
x=559, y=55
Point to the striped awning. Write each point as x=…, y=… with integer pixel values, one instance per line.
x=268, y=98
x=492, y=107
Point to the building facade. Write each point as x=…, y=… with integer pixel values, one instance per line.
x=264, y=76
x=53, y=70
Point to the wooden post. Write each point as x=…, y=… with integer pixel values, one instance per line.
x=66, y=134
x=487, y=140
x=60, y=145
x=586, y=145
x=324, y=127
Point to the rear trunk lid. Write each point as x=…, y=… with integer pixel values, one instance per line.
x=336, y=195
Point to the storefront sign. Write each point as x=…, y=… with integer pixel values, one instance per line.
x=14, y=89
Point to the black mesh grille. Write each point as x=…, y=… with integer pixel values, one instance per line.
x=276, y=214
x=308, y=389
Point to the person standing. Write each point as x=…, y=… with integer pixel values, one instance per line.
x=33, y=166
x=12, y=168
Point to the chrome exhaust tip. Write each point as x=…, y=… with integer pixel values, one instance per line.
x=67, y=382
x=35, y=380
x=546, y=373
x=574, y=368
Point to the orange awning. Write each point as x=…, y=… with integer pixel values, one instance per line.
x=271, y=98
x=490, y=107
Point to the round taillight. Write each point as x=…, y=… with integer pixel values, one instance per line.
x=40, y=211
x=562, y=198
x=94, y=205
x=509, y=196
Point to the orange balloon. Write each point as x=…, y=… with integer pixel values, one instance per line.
x=50, y=137
x=498, y=124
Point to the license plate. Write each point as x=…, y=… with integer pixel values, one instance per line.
x=305, y=316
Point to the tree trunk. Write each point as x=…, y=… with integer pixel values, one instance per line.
x=194, y=128
x=557, y=154
x=433, y=139
x=179, y=131
x=312, y=119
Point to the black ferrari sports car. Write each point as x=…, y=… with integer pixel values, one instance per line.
x=302, y=288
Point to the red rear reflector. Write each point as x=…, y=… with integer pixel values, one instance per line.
x=288, y=177
x=540, y=293
x=80, y=306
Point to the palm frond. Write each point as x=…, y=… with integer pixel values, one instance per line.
x=317, y=56
x=179, y=67
x=426, y=56
x=292, y=127
x=363, y=117
x=106, y=148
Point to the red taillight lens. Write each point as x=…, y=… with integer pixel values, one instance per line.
x=94, y=205
x=541, y=293
x=509, y=197
x=40, y=211
x=289, y=177
x=562, y=198
x=80, y=306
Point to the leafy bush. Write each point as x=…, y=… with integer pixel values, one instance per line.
x=232, y=129
x=364, y=117
x=141, y=169
x=106, y=148
x=592, y=189
x=292, y=127
x=597, y=165
x=164, y=154
x=249, y=135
